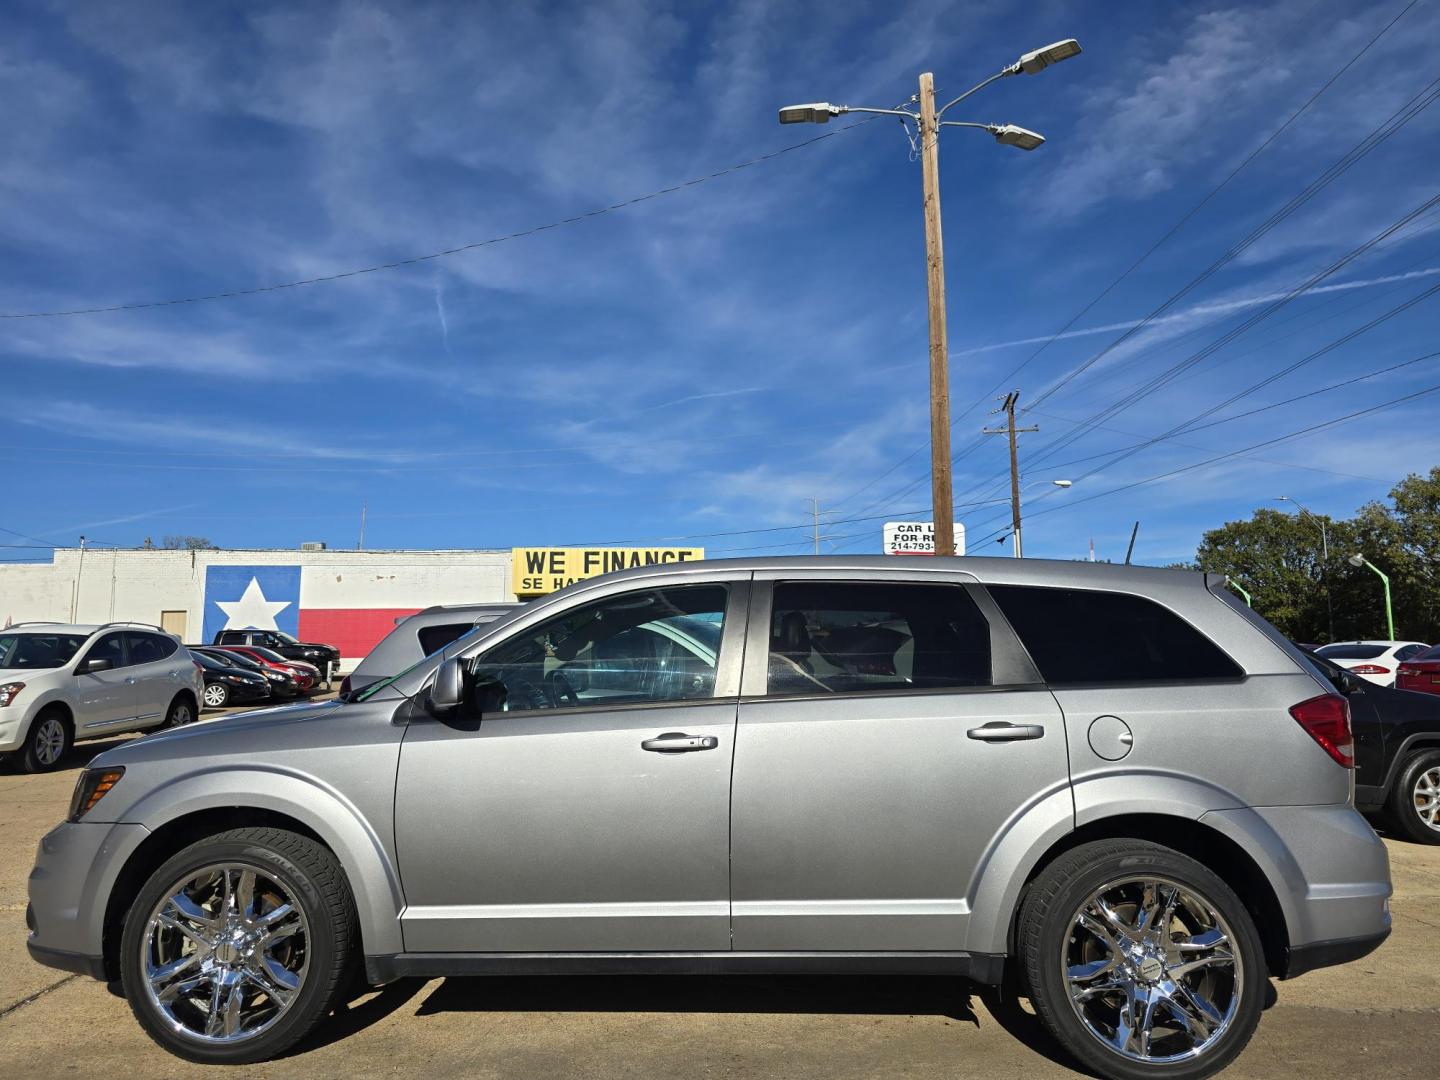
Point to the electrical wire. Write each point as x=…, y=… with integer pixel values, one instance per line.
x=446, y=253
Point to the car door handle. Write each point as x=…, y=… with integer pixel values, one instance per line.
x=1001, y=731
x=675, y=742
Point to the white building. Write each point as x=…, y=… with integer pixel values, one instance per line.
x=349, y=599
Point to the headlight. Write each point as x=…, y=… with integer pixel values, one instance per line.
x=8, y=692
x=274, y=676
x=94, y=785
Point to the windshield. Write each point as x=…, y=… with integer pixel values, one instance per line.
x=1432, y=653
x=230, y=659
x=367, y=692
x=1351, y=652
x=207, y=661
x=32, y=651
x=268, y=654
x=286, y=638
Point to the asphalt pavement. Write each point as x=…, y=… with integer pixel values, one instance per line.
x=1377, y=1017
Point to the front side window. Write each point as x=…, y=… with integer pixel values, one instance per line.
x=649, y=646
x=110, y=647
x=855, y=637
x=37, y=651
x=1089, y=636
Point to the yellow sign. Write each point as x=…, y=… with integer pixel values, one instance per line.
x=535, y=571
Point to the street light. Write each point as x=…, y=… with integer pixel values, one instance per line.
x=1359, y=560
x=1015, y=533
x=1325, y=559
x=928, y=121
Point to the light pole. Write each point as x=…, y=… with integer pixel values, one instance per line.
x=1324, y=557
x=1236, y=586
x=1359, y=559
x=1019, y=549
x=928, y=122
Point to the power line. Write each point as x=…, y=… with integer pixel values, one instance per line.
x=1008, y=378
x=458, y=250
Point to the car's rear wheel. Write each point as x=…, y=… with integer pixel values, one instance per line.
x=181, y=712
x=47, y=743
x=1415, y=798
x=1141, y=961
x=217, y=695
x=237, y=946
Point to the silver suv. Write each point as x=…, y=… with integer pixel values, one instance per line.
x=802, y=765
x=61, y=682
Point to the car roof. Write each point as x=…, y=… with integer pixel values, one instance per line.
x=1374, y=641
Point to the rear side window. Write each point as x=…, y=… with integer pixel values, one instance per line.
x=148, y=648
x=854, y=637
x=435, y=638
x=1087, y=636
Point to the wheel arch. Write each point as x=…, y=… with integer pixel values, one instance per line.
x=208, y=803
x=1219, y=853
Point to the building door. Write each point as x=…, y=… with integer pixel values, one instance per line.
x=173, y=622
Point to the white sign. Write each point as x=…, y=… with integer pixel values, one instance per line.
x=917, y=538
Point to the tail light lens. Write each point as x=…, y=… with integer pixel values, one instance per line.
x=1370, y=669
x=1407, y=671
x=1327, y=720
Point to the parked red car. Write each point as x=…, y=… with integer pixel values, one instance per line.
x=1420, y=672
x=306, y=675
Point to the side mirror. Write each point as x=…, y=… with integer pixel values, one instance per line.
x=447, y=693
x=94, y=664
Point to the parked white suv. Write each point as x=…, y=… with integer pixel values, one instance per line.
x=60, y=682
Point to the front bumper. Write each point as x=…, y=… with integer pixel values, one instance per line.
x=75, y=871
x=12, y=728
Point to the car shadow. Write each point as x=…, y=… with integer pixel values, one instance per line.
x=79, y=755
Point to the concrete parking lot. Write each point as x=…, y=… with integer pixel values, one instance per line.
x=1377, y=1017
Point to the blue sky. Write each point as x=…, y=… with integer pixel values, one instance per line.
x=704, y=362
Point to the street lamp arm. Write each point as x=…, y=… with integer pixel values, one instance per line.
x=1013, y=69
x=882, y=112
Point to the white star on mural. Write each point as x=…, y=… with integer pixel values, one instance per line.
x=252, y=611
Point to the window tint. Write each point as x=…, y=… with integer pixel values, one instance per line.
x=655, y=645
x=28, y=650
x=434, y=638
x=109, y=647
x=853, y=637
x=1351, y=652
x=149, y=648
x=1086, y=636
x=1410, y=652
x=1432, y=653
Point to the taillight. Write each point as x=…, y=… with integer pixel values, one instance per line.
x=1407, y=671
x=1370, y=669
x=1327, y=720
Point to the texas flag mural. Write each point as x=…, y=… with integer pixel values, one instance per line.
x=287, y=598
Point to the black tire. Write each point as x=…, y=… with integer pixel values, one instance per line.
x=1419, y=775
x=219, y=692
x=1047, y=940
x=47, y=742
x=181, y=712
x=312, y=881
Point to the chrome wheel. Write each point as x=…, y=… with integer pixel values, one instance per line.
x=224, y=955
x=1152, y=970
x=216, y=695
x=49, y=741
x=1427, y=798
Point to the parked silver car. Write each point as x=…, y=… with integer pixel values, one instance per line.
x=417, y=636
x=775, y=765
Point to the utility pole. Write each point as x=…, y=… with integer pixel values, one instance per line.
x=928, y=121
x=1011, y=430
x=941, y=498
x=815, y=513
x=79, y=573
x=361, y=545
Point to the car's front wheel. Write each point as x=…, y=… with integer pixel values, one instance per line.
x=47, y=743
x=1141, y=961
x=1415, y=798
x=217, y=695
x=238, y=945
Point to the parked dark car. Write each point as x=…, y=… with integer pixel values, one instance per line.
x=325, y=658
x=1420, y=673
x=307, y=676
x=1397, y=753
x=227, y=684
x=283, y=682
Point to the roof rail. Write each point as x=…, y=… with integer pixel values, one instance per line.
x=132, y=622
x=35, y=622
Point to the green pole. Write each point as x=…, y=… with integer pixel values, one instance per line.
x=1389, y=611
x=1236, y=586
